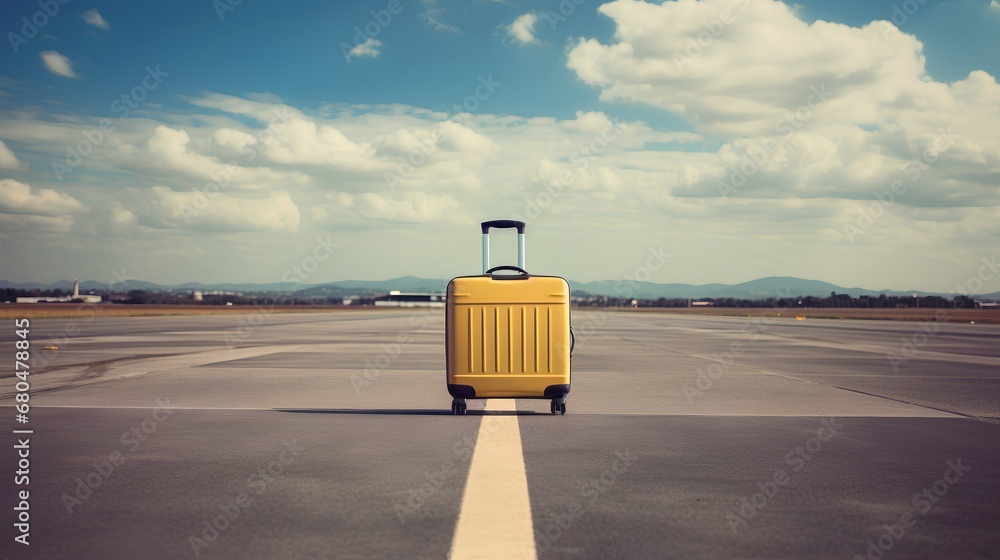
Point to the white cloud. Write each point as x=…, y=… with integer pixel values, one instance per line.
x=523, y=28
x=754, y=70
x=434, y=16
x=410, y=207
x=261, y=108
x=170, y=150
x=19, y=198
x=58, y=64
x=404, y=141
x=93, y=17
x=35, y=224
x=370, y=48
x=304, y=141
x=846, y=109
x=995, y=4
x=120, y=218
x=9, y=161
x=275, y=212
x=631, y=181
x=318, y=214
x=462, y=139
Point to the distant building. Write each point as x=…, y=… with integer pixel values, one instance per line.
x=702, y=303
x=396, y=298
x=75, y=298
x=198, y=296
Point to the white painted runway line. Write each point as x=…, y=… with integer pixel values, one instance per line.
x=495, y=519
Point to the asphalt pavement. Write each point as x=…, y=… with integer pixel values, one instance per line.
x=329, y=435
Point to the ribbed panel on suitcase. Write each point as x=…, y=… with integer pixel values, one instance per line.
x=507, y=339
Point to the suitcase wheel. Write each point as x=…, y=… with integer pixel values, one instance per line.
x=558, y=407
x=458, y=406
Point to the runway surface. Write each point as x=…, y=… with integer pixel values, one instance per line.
x=308, y=436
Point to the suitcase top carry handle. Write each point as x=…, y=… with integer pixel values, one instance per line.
x=502, y=224
x=508, y=267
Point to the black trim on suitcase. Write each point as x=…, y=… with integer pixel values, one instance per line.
x=462, y=391
x=554, y=391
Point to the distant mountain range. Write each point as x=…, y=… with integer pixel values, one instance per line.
x=775, y=286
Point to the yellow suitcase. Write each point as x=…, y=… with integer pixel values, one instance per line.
x=508, y=335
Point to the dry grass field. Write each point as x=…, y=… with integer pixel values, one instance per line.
x=71, y=311
x=75, y=311
x=944, y=315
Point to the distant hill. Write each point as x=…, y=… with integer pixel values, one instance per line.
x=775, y=286
x=403, y=284
x=84, y=285
x=232, y=287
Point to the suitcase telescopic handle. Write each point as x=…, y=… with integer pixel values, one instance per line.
x=502, y=224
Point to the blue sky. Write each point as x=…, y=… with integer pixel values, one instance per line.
x=600, y=127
